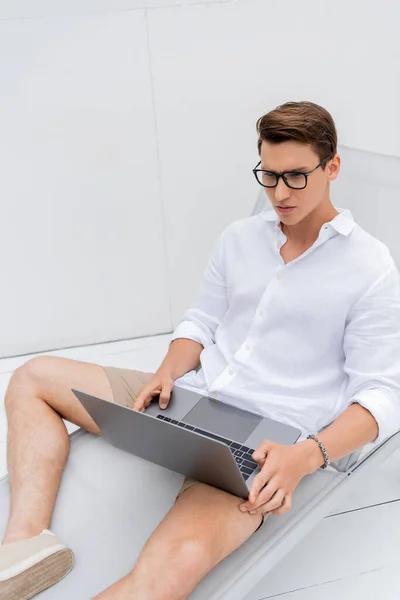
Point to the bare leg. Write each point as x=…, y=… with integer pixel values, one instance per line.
x=201, y=529
x=38, y=442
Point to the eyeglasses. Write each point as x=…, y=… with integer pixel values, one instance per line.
x=296, y=180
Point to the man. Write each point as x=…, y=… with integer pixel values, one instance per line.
x=297, y=318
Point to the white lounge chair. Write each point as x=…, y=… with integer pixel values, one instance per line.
x=110, y=502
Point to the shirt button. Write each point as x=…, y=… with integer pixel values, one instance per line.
x=247, y=346
x=214, y=394
x=230, y=371
x=278, y=244
x=261, y=312
x=279, y=275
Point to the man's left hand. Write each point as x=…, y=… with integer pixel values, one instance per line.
x=282, y=468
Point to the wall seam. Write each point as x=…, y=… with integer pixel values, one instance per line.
x=158, y=159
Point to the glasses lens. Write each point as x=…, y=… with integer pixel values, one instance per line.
x=296, y=181
x=266, y=178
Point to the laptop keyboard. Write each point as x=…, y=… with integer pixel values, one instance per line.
x=242, y=454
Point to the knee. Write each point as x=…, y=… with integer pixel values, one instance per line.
x=191, y=557
x=27, y=375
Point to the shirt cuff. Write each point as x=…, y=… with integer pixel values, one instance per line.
x=193, y=331
x=384, y=408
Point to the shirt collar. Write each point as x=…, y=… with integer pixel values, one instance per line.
x=343, y=223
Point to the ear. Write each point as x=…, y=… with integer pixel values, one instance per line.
x=333, y=167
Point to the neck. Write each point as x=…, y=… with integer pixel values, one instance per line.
x=307, y=231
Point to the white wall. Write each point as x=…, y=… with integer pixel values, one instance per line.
x=128, y=139
x=17, y=9
x=81, y=245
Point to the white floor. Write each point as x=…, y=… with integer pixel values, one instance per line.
x=353, y=554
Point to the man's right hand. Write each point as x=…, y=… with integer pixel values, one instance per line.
x=160, y=384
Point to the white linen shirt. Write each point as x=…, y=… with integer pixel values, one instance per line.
x=299, y=342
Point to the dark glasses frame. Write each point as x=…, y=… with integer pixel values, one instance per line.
x=285, y=173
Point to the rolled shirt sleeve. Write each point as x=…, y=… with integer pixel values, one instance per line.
x=372, y=352
x=201, y=320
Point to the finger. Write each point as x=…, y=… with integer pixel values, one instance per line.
x=143, y=400
x=265, y=495
x=259, y=482
x=274, y=503
x=286, y=506
x=262, y=450
x=254, y=496
x=165, y=394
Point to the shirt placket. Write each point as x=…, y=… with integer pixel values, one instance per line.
x=244, y=352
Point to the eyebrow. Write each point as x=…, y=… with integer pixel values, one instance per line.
x=287, y=171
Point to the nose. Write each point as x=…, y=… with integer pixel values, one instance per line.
x=282, y=191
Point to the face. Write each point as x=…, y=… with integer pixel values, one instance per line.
x=294, y=156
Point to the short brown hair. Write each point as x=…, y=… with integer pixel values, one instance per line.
x=303, y=122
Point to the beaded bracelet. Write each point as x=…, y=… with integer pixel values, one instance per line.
x=323, y=450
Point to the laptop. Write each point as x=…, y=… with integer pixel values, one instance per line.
x=195, y=435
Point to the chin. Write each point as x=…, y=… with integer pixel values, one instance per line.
x=293, y=216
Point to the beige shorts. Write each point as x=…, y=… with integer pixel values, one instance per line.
x=126, y=385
